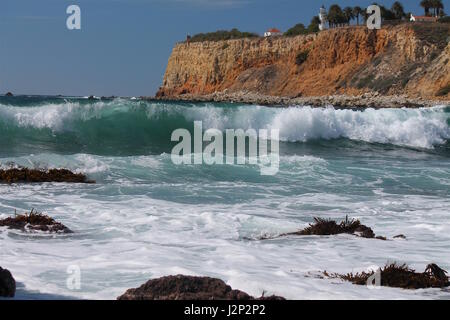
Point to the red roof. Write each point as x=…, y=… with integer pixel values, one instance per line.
x=425, y=17
x=274, y=30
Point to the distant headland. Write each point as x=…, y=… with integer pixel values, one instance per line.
x=405, y=63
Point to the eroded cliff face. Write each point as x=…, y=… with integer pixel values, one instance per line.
x=412, y=60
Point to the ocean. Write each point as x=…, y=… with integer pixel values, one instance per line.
x=147, y=217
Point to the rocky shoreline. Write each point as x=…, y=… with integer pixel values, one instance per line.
x=367, y=100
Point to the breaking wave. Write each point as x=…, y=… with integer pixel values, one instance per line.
x=142, y=127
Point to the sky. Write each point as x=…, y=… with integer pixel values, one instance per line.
x=123, y=46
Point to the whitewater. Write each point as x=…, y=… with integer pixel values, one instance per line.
x=146, y=217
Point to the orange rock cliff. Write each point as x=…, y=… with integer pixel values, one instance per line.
x=408, y=59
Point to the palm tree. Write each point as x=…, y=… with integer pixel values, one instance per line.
x=357, y=11
x=397, y=10
x=426, y=4
x=335, y=16
x=365, y=15
x=433, y=4
x=437, y=5
x=348, y=13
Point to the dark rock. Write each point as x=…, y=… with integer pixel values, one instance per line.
x=401, y=276
x=9, y=94
x=34, y=221
x=187, y=288
x=17, y=175
x=400, y=236
x=7, y=284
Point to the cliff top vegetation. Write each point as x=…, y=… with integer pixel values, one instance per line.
x=222, y=35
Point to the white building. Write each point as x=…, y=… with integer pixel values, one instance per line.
x=272, y=33
x=323, y=18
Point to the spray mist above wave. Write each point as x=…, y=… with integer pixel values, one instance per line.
x=421, y=128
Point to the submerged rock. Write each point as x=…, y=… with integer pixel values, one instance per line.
x=401, y=276
x=7, y=284
x=324, y=227
x=24, y=175
x=34, y=221
x=187, y=288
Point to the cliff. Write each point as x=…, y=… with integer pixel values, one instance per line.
x=411, y=60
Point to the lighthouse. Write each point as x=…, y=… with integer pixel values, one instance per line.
x=323, y=18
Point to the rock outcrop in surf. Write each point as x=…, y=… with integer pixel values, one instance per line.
x=25, y=175
x=7, y=284
x=34, y=221
x=182, y=287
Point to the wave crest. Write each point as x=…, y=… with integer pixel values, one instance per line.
x=141, y=121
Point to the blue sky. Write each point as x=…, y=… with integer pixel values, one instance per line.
x=124, y=45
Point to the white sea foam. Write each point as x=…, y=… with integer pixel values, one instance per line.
x=409, y=127
x=421, y=128
x=55, y=116
x=123, y=243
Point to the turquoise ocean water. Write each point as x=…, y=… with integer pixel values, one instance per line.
x=146, y=217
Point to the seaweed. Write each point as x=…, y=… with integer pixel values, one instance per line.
x=401, y=276
x=34, y=221
x=324, y=227
x=25, y=175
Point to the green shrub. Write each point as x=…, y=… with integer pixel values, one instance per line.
x=445, y=19
x=383, y=85
x=365, y=82
x=222, y=35
x=443, y=91
x=301, y=57
x=298, y=29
